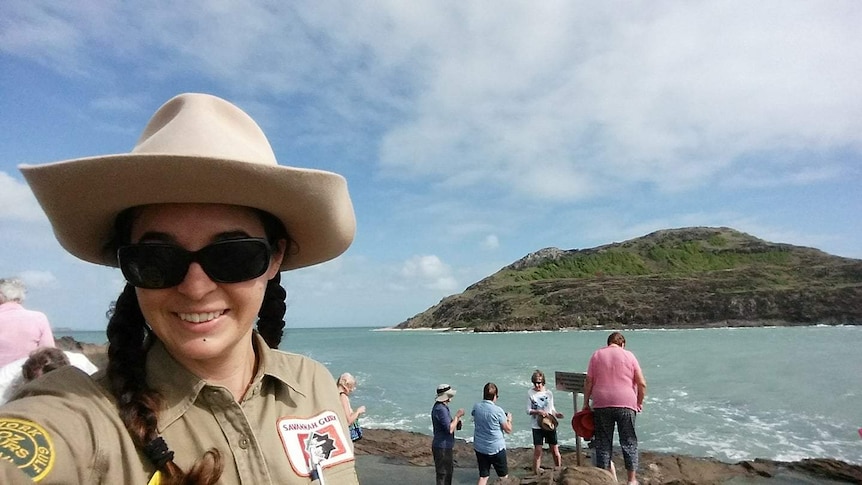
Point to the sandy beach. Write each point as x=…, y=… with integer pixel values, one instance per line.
x=389, y=457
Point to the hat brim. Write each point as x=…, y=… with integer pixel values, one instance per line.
x=446, y=395
x=83, y=197
x=549, y=423
x=583, y=424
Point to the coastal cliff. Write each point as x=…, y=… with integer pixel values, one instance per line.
x=689, y=277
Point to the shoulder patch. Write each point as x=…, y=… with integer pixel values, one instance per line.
x=27, y=445
x=313, y=442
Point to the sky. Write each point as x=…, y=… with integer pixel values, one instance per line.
x=471, y=133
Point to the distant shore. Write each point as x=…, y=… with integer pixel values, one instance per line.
x=405, y=457
x=611, y=328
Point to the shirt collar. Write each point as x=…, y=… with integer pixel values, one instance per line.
x=180, y=388
x=10, y=305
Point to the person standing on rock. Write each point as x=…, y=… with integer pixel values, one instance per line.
x=346, y=385
x=617, y=387
x=489, y=424
x=540, y=407
x=445, y=425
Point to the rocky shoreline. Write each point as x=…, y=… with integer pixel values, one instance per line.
x=409, y=448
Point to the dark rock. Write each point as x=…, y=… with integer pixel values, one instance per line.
x=829, y=468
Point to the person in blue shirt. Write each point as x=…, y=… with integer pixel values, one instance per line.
x=443, y=444
x=490, y=422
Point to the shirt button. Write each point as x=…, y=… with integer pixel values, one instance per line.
x=243, y=443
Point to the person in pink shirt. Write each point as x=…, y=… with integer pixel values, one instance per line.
x=21, y=331
x=617, y=387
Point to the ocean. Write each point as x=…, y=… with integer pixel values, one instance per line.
x=781, y=393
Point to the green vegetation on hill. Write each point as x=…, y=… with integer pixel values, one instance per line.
x=678, y=277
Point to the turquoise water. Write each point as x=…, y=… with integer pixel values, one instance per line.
x=732, y=394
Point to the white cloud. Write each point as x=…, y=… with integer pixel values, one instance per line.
x=39, y=279
x=17, y=202
x=429, y=272
x=491, y=242
x=558, y=101
x=754, y=177
x=673, y=96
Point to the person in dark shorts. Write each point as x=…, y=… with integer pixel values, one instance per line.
x=490, y=422
x=540, y=407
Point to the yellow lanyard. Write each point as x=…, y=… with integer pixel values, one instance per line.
x=157, y=478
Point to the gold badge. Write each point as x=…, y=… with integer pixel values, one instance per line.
x=27, y=445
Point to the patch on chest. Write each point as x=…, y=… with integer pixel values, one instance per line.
x=27, y=445
x=314, y=442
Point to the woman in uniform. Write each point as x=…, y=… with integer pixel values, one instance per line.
x=201, y=219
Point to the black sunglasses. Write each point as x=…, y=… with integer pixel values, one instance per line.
x=156, y=266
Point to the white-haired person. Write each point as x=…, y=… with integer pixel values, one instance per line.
x=21, y=330
x=346, y=385
x=201, y=219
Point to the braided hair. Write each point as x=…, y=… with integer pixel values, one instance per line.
x=129, y=340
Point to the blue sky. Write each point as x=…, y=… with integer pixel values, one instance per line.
x=471, y=133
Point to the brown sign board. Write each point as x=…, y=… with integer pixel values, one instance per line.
x=570, y=381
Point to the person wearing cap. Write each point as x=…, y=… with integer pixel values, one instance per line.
x=201, y=219
x=21, y=330
x=543, y=421
x=444, y=425
x=489, y=443
x=616, y=386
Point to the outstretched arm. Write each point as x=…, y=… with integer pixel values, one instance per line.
x=352, y=415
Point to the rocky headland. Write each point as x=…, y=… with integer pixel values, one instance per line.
x=675, y=278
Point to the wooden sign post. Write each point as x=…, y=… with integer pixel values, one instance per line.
x=573, y=382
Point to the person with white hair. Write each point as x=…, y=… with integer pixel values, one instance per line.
x=21, y=330
x=346, y=385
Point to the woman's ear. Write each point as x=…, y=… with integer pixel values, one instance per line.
x=277, y=258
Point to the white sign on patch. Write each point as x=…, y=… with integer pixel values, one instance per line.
x=314, y=441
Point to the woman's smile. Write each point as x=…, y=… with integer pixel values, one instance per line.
x=200, y=317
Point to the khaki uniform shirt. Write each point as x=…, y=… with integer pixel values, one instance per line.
x=64, y=428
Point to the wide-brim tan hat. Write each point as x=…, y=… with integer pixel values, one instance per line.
x=548, y=422
x=197, y=148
